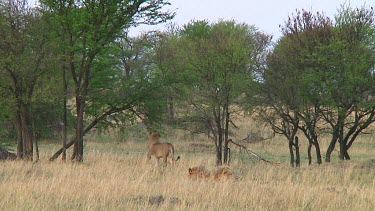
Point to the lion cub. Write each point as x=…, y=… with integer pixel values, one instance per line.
x=160, y=150
x=200, y=172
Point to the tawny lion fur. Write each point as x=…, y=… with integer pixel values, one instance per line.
x=160, y=150
x=200, y=172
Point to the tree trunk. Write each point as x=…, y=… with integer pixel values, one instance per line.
x=219, y=147
x=318, y=153
x=20, y=149
x=65, y=113
x=341, y=142
x=309, y=153
x=36, y=141
x=78, y=145
x=26, y=133
x=291, y=153
x=81, y=102
x=87, y=129
x=58, y=152
x=296, y=145
x=340, y=123
x=218, y=153
x=226, y=134
x=330, y=149
x=346, y=154
x=170, y=108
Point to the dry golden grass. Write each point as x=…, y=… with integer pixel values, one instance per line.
x=116, y=176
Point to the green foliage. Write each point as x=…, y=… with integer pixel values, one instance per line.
x=209, y=68
x=323, y=72
x=6, y=127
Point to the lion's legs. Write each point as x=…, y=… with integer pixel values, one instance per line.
x=157, y=162
x=148, y=157
x=170, y=159
x=165, y=158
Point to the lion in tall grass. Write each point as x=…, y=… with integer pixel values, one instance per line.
x=200, y=172
x=160, y=150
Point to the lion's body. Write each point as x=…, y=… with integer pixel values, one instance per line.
x=223, y=173
x=160, y=150
x=200, y=172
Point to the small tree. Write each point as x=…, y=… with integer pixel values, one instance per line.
x=219, y=63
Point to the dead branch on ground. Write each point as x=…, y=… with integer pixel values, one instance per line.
x=250, y=152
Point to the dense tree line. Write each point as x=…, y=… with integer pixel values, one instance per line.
x=70, y=66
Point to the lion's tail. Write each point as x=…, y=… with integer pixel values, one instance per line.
x=171, y=149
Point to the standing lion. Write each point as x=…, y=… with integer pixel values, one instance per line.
x=160, y=150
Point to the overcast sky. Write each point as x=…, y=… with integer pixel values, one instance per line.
x=266, y=15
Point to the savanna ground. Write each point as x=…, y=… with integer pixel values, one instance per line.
x=116, y=176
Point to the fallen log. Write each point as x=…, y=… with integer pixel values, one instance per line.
x=58, y=152
x=88, y=128
x=250, y=152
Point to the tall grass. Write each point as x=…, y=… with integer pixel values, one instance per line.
x=116, y=176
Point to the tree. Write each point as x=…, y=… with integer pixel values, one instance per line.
x=324, y=74
x=291, y=87
x=23, y=52
x=350, y=81
x=219, y=61
x=117, y=99
x=90, y=26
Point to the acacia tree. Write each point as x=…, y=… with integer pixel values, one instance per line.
x=219, y=62
x=291, y=85
x=23, y=52
x=89, y=27
x=331, y=72
x=350, y=80
x=123, y=88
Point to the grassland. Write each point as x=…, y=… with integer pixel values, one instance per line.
x=116, y=176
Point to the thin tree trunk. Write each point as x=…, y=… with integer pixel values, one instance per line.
x=318, y=154
x=219, y=148
x=226, y=134
x=170, y=108
x=330, y=149
x=20, y=150
x=36, y=141
x=296, y=145
x=65, y=115
x=291, y=152
x=309, y=153
x=341, y=142
x=346, y=154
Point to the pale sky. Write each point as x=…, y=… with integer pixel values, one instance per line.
x=266, y=15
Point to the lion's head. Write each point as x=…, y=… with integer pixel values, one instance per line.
x=153, y=136
x=198, y=172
